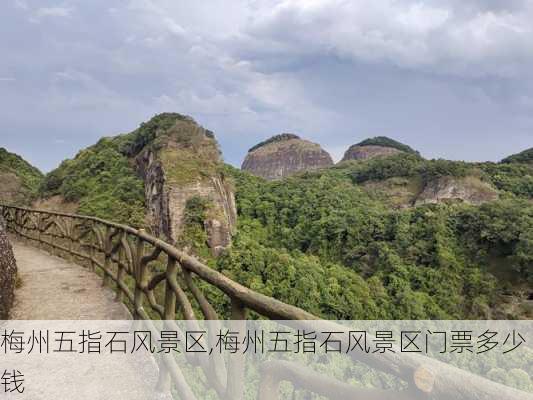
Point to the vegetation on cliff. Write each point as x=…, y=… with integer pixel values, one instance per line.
x=385, y=141
x=274, y=139
x=19, y=180
x=102, y=178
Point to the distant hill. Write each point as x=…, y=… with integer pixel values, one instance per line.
x=525, y=156
x=19, y=180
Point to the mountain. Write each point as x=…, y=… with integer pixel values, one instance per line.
x=284, y=155
x=166, y=173
x=19, y=180
x=380, y=146
x=525, y=156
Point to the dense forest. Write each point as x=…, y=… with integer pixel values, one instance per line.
x=321, y=242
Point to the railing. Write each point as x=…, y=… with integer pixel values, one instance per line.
x=156, y=280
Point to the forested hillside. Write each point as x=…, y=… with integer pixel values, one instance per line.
x=19, y=180
x=322, y=242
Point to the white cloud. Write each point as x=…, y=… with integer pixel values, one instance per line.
x=53, y=12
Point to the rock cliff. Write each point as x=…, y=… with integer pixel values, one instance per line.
x=468, y=189
x=284, y=155
x=8, y=273
x=182, y=162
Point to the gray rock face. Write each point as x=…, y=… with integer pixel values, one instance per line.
x=285, y=155
x=8, y=273
x=469, y=190
x=186, y=164
x=369, y=151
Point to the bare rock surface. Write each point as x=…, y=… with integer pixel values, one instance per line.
x=468, y=189
x=8, y=273
x=285, y=155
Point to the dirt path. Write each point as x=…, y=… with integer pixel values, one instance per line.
x=54, y=289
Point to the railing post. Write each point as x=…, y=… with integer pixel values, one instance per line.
x=120, y=272
x=140, y=277
x=235, y=388
x=163, y=384
x=107, y=254
x=91, y=256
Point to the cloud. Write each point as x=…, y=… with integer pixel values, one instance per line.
x=433, y=73
x=53, y=12
x=7, y=79
x=436, y=36
x=39, y=14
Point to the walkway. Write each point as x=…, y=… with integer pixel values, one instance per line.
x=54, y=289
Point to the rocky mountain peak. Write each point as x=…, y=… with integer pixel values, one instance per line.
x=181, y=161
x=379, y=146
x=284, y=155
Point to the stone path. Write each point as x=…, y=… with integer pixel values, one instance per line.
x=54, y=289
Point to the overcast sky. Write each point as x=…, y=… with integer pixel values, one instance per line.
x=451, y=78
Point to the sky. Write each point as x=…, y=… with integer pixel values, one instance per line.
x=451, y=78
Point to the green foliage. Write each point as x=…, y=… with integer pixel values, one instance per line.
x=30, y=176
x=387, y=142
x=417, y=263
x=194, y=236
x=380, y=168
x=102, y=181
x=132, y=144
x=514, y=178
x=525, y=156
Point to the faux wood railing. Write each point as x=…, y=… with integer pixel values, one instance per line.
x=156, y=280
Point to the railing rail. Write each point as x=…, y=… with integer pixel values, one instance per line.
x=157, y=280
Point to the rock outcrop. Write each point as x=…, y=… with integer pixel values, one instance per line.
x=8, y=273
x=285, y=155
x=380, y=146
x=182, y=162
x=468, y=189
